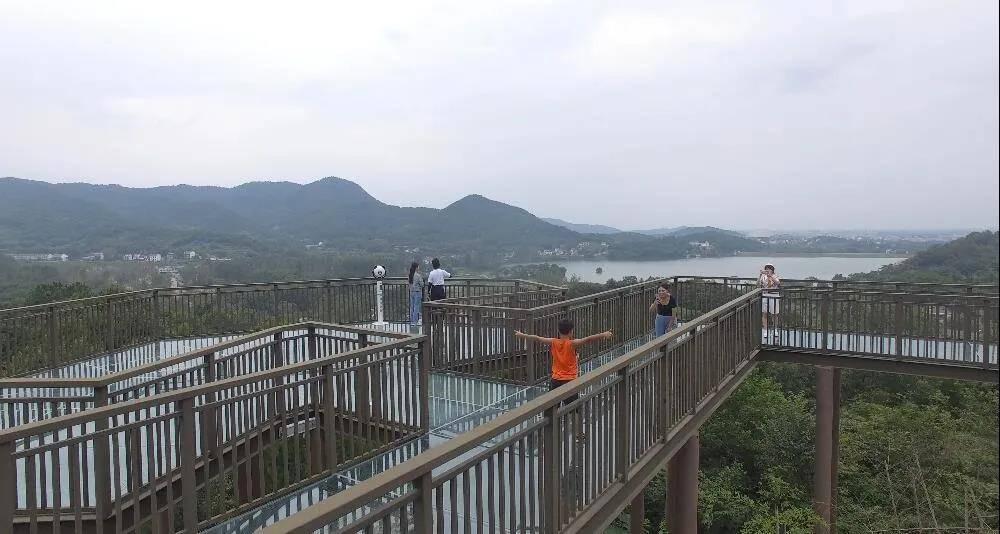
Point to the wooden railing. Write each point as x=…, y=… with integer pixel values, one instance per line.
x=28, y=399
x=44, y=336
x=902, y=325
x=478, y=339
x=234, y=431
x=552, y=462
x=557, y=464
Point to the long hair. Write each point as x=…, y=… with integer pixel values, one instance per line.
x=413, y=269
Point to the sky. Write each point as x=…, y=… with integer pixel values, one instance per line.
x=772, y=114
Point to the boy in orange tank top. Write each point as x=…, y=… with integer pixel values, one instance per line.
x=565, y=363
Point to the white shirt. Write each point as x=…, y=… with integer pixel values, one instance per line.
x=437, y=276
x=769, y=282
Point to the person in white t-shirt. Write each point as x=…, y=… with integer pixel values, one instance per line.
x=770, y=283
x=435, y=279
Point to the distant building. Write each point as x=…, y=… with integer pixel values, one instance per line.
x=40, y=257
x=94, y=256
x=143, y=257
x=191, y=255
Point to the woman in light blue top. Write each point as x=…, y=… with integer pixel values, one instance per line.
x=416, y=293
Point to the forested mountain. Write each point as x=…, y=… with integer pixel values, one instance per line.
x=687, y=231
x=582, y=227
x=279, y=217
x=973, y=258
x=37, y=215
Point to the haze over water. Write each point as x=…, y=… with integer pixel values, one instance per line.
x=822, y=267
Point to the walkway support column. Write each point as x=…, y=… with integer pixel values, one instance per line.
x=827, y=419
x=637, y=513
x=682, y=488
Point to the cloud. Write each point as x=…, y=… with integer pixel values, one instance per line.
x=605, y=113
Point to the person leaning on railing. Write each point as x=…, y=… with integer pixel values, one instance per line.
x=664, y=305
x=435, y=279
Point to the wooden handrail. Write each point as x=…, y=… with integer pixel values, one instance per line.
x=103, y=412
x=321, y=514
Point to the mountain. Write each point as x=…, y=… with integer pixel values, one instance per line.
x=79, y=217
x=583, y=228
x=685, y=231
x=974, y=259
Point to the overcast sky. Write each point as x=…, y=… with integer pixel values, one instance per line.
x=778, y=114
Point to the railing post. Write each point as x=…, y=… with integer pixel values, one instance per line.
x=530, y=355
x=423, y=506
x=328, y=314
x=477, y=340
x=425, y=384
x=189, y=486
x=967, y=352
x=278, y=350
x=102, y=457
x=109, y=331
x=327, y=419
x=362, y=381
x=899, y=325
x=274, y=303
x=551, y=472
x=825, y=320
x=8, y=487
x=989, y=317
x=620, y=317
x=52, y=336
x=157, y=333
x=624, y=424
x=667, y=392
x=209, y=434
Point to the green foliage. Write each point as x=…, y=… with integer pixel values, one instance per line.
x=971, y=259
x=56, y=292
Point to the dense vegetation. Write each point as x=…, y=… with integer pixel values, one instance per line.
x=916, y=454
x=971, y=259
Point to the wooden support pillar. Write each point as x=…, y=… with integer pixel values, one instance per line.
x=637, y=514
x=824, y=478
x=835, y=464
x=682, y=488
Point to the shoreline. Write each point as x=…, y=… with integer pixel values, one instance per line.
x=819, y=255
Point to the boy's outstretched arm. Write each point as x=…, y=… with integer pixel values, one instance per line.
x=595, y=337
x=532, y=337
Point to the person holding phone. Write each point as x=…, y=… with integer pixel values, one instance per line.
x=770, y=283
x=664, y=305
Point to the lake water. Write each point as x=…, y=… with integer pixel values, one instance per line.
x=822, y=267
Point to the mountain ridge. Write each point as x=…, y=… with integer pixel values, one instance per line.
x=36, y=213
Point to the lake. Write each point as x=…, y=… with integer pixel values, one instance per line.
x=822, y=267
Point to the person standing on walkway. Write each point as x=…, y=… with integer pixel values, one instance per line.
x=664, y=305
x=416, y=293
x=436, y=280
x=770, y=283
x=566, y=362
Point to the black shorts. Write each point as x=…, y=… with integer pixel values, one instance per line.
x=437, y=292
x=553, y=384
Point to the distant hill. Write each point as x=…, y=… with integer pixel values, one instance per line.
x=82, y=217
x=684, y=231
x=973, y=259
x=583, y=228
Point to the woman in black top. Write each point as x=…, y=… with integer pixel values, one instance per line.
x=664, y=305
